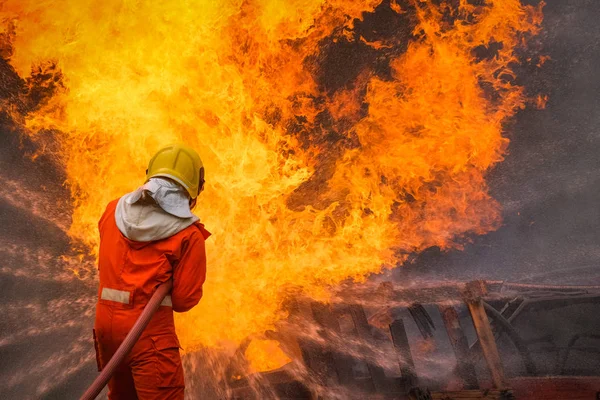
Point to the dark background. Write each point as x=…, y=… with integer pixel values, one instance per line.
x=549, y=183
x=549, y=187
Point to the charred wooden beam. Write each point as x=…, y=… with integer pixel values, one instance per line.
x=458, y=340
x=422, y=319
x=473, y=395
x=338, y=366
x=314, y=355
x=556, y=387
x=417, y=393
x=473, y=294
x=402, y=346
x=363, y=330
x=443, y=291
x=521, y=346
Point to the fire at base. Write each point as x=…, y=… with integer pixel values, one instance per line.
x=334, y=147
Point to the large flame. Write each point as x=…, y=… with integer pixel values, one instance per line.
x=317, y=170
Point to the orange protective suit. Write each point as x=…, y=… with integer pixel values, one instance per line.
x=129, y=274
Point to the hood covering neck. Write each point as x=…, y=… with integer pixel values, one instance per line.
x=157, y=210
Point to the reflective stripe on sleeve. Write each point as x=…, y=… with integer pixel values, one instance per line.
x=120, y=296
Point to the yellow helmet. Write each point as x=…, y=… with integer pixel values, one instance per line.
x=180, y=163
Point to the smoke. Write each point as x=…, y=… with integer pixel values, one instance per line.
x=549, y=183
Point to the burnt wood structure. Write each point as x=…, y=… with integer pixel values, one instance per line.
x=341, y=361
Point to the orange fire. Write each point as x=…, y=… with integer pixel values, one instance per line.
x=540, y=101
x=308, y=183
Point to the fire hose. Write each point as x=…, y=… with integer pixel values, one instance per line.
x=130, y=340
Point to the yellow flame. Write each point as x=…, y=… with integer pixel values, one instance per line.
x=231, y=78
x=265, y=355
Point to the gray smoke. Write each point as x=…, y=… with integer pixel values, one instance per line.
x=549, y=183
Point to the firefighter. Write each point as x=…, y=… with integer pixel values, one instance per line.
x=147, y=237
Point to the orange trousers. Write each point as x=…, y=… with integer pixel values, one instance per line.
x=151, y=371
